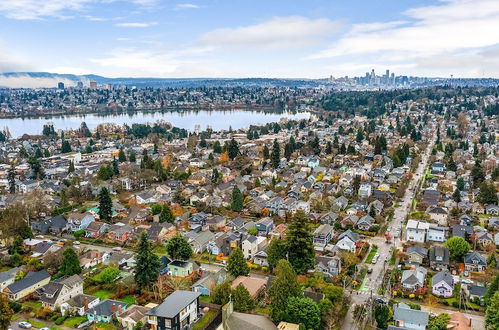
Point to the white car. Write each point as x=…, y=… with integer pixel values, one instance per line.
x=44, y=328
x=467, y=281
x=25, y=325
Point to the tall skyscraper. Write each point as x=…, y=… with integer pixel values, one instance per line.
x=79, y=84
x=93, y=85
x=60, y=85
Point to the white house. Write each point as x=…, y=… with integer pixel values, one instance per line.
x=417, y=230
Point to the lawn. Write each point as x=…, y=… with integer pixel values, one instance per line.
x=205, y=299
x=36, y=324
x=370, y=257
x=392, y=259
x=263, y=310
x=129, y=300
x=104, y=326
x=35, y=305
x=160, y=249
x=204, y=320
x=72, y=322
x=103, y=294
x=15, y=317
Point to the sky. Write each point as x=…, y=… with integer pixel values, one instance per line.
x=250, y=38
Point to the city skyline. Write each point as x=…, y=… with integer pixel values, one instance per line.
x=168, y=39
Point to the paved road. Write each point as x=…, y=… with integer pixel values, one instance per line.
x=375, y=279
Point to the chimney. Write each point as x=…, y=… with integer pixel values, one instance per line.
x=113, y=308
x=85, y=304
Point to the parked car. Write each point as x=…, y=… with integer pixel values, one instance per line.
x=76, y=243
x=369, y=270
x=25, y=325
x=467, y=281
x=381, y=301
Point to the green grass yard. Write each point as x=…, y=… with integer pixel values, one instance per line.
x=72, y=322
x=204, y=320
x=370, y=257
x=103, y=294
x=36, y=324
x=129, y=300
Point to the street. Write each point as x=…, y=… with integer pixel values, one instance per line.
x=375, y=279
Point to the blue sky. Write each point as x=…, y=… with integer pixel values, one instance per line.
x=251, y=38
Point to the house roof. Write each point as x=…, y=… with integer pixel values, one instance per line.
x=439, y=251
x=106, y=307
x=443, y=275
x=252, y=284
x=174, y=303
x=31, y=279
x=473, y=255
x=418, y=249
x=479, y=291
x=402, y=312
x=414, y=276
x=79, y=300
x=8, y=274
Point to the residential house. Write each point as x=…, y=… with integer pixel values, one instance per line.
x=55, y=225
x=329, y=266
x=475, y=262
x=93, y=258
x=322, y=235
x=476, y=292
x=347, y=241
x=439, y=257
x=27, y=285
x=79, y=304
x=59, y=291
x=407, y=318
x=484, y=238
x=199, y=241
x=237, y=321
x=105, y=311
x=261, y=258
x=132, y=316
x=416, y=231
x=119, y=232
x=365, y=223
x=178, y=311
x=442, y=284
x=265, y=225
x=252, y=244
x=463, y=231
x=254, y=285
x=8, y=277
x=79, y=221
x=436, y=234
x=413, y=279
x=365, y=190
x=41, y=249
x=438, y=214
x=180, y=268
x=417, y=255
x=208, y=281
x=96, y=229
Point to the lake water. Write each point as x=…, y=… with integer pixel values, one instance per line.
x=182, y=119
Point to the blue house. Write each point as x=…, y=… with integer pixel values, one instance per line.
x=265, y=225
x=105, y=311
x=206, y=283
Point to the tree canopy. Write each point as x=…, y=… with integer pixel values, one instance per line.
x=147, y=263
x=283, y=287
x=299, y=244
x=458, y=247
x=236, y=264
x=70, y=263
x=179, y=248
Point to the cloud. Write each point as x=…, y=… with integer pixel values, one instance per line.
x=26, y=81
x=278, y=32
x=187, y=6
x=136, y=24
x=39, y=9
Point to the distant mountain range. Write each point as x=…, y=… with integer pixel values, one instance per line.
x=47, y=79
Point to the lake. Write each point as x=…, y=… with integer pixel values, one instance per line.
x=216, y=119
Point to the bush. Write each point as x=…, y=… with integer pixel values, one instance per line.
x=79, y=233
x=60, y=320
x=15, y=306
x=455, y=304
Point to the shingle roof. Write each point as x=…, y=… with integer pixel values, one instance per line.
x=30, y=279
x=174, y=303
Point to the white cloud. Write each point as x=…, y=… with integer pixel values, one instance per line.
x=25, y=81
x=278, y=32
x=187, y=6
x=450, y=27
x=136, y=24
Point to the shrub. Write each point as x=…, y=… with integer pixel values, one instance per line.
x=79, y=233
x=60, y=320
x=15, y=306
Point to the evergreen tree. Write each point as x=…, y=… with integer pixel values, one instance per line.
x=492, y=313
x=275, y=157
x=301, y=252
x=282, y=288
x=456, y=196
x=132, y=157
x=287, y=151
x=242, y=299
x=105, y=205
x=38, y=153
x=382, y=316
x=343, y=149
x=266, y=152
x=179, y=248
x=66, y=147
x=121, y=156
x=460, y=184
x=71, y=167
x=70, y=263
x=303, y=311
x=222, y=293
x=488, y=193
x=329, y=148
x=276, y=251
x=6, y=312
x=236, y=264
x=116, y=169
x=84, y=131
x=166, y=215
x=237, y=200
x=233, y=149
x=360, y=135
x=148, y=264
x=217, y=148
x=11, y=177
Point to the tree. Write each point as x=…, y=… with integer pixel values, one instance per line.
x=282, y=288
x=266, y=152
x=382, y=316
x=107, y=275
x=460, y=184
x=65, y=147
x=275, y=156
x=439, y=322
x=11, y=177
x=132, y=157
x=237, y=200
x=166, y=215
x=147, y=263
x=70, y=263
x=303, y=311
x=487, y=194
x=179, y=248
x=121, y=156
x=493, y=288
x=217, y=148
x=242, y=299
x=6, y=312
x=276, y=251
x=105, y=205
x=458, y=247
x=236, y=264
x=71, y=167
x=456, y=196
x=233, y=149
x=492, y=313
x=221, y=293
x=299, y=244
